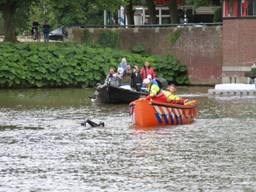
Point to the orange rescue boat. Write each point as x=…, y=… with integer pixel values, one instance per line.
x=149, y=113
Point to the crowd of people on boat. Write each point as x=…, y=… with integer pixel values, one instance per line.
x=143, y=79
x=126, y=75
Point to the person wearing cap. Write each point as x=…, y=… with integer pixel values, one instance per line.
x=147, y=70
x=153, y=89
x=120, y=72
x=154, y=81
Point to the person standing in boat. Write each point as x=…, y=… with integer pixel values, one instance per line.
x=136, y=80
x=126, y=79
x=111, y=76
x=147, y=70
x=123, y=64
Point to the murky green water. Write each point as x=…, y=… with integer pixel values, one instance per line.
x=43, y=147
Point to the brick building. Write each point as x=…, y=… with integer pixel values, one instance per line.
x=239, y=39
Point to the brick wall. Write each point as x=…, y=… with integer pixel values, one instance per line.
x=239, y=48
x=199, y=48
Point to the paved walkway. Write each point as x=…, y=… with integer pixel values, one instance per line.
x=26, y=39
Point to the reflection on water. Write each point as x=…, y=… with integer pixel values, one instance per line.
x=43, y=147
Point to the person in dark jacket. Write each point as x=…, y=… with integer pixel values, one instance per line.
x=46, y=31
x=35, y=30
x=136, y=80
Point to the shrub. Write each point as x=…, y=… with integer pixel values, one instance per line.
x=1, y=24
x=217, y=17
x=138, y=48
x=67, y=64
x=87, y=38
x=173, y=37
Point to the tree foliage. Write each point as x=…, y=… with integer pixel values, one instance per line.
x=13, y=12
x=152, y=11
x=80, y=12
x=130, y=12
x=198, y=3
x=1, y=24
x=173, y=9
x=19, y=14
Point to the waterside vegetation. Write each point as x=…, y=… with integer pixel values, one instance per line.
x=28, y=65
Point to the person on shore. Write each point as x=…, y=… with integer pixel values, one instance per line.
x=147, y=70
x=46, y=31
x=136, y=80
x=35, y=30
x=123, y=64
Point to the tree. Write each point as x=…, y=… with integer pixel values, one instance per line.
x=130, y=12
x=78, y=12
x=1, y=24
x=12, y=12
x=198, y=3
x=152, y=11
x=16, y=13
x=173, y=8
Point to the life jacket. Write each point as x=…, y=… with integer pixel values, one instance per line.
x=170, y=96
x=154, y=90
x=173, y=98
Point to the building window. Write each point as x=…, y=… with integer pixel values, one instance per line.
x=251, y=7
x=166, y=20
x=231, y=8
x=239, y=8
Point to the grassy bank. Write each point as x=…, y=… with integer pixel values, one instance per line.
x=72, y=65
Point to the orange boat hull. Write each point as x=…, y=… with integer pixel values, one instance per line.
x=147, y=113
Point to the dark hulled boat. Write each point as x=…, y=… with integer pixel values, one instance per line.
x=111, y=94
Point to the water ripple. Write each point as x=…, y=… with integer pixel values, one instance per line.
x=46, y=149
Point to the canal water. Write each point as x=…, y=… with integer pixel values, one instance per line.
x=43, y=147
